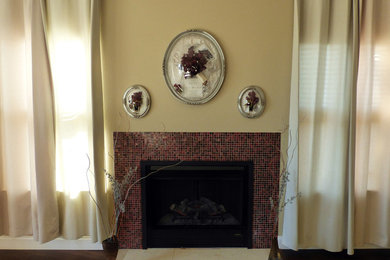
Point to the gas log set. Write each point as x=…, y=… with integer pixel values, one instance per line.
x=198, y=212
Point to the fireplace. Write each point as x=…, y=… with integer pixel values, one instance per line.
x=197, y=204
x=262, y=149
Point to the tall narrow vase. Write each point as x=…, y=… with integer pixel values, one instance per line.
x=110, y=247
x=275, y=254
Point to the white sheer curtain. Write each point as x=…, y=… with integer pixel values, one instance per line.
x=324, y=101
x=46, y=121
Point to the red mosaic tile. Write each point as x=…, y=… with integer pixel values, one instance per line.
x=260, y=148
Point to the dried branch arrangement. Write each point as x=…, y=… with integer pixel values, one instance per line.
x=121, y=191
x=278, y=205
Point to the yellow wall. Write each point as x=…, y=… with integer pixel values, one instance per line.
x=255, y=35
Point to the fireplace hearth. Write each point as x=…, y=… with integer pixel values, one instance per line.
x=197, y=204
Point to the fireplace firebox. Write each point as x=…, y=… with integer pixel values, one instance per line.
x=197, y=204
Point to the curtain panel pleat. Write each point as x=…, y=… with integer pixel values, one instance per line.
x=45, y=216
x=98, y=123
x=290, y=217
x=372, y=189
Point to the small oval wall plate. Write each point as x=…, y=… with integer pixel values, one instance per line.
x=136, y=101
x=251, y=102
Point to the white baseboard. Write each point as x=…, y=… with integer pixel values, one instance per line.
x=28, y=243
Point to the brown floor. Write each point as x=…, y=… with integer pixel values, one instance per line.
x=362, y=254
x=51, y=254
x=367, y=254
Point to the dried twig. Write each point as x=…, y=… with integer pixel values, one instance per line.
x=127, y=184
x=278, y=206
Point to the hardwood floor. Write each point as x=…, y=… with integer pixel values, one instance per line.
x=361, y=254
x=51, y=255
x=367, y=254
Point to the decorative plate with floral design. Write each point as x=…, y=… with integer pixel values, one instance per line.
x=194, y=67
x=251, y=102
x=136, y=101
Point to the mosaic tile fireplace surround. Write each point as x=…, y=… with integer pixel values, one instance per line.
x=262, y=149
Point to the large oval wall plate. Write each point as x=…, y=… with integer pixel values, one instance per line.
x=136, y=101
x=194, y=67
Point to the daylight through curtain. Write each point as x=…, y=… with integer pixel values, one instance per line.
x=28, y=203
x=50, y=56
x=372, y=187
x=339, y=112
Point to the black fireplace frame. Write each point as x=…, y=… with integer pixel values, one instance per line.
x=218, y=237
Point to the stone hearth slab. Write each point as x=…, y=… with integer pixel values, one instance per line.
x=193, y=254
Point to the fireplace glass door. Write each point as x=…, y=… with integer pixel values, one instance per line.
x=197, y=204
